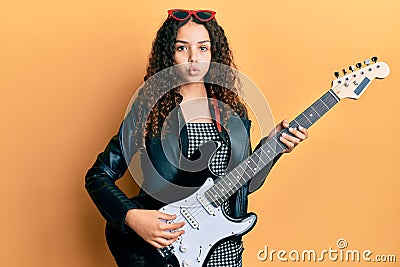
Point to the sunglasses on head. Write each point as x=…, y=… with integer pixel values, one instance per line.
x=182, y=14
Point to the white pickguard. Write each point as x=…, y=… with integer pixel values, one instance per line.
x=192, y=248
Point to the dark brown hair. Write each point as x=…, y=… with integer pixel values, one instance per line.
x=162, y=57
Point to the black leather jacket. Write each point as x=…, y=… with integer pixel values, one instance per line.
x=111, y=164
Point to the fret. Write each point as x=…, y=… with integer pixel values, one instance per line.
x=273, y=150
x=251, y=165
x=267, y=152
x=227, y=185
x=278, y=143
x=231, y=180
x=225, y=188
x=294, y=124
x=236, y=176
x=311, y=115
x=327, y=108
x=223, y=197
x=307, y=119
x=243, y=170
x=259, y=156
x=209, y=197
x=319, y=116
x=320, y=107
x=303, y=120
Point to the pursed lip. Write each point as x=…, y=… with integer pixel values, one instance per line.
x=194, y=68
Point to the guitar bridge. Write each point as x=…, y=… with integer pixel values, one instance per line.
x=166, y=252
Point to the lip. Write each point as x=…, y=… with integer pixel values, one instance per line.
x=194, y=69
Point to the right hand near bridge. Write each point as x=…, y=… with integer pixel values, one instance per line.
x=150, y=225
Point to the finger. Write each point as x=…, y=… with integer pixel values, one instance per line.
x=170, y=241
x=166, y=216
x=285, y=123
x=298, y=134
x=171, y=235
x=155, y=244
x=289, y=145
x=304, y=131
x=162, y=241
x=291, y=140
x=173, y=226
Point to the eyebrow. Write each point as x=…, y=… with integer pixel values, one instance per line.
x=185, y=42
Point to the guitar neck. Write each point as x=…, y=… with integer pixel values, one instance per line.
x=226, y=186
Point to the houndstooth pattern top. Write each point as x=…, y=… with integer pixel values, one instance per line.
x=228, y=253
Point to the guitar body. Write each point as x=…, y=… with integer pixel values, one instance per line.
x=206, y=227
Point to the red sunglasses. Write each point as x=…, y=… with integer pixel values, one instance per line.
x=182, y=14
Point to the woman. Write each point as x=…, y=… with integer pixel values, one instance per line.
x=190, y=41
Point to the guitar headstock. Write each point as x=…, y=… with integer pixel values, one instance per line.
x=354, y=83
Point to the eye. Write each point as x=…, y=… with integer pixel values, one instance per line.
x=203, y=48
x=181, y=48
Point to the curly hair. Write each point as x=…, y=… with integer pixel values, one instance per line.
x=162, y=57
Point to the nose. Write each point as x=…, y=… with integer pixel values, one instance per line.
x=193, y=55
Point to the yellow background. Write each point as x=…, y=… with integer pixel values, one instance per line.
x=69, y=68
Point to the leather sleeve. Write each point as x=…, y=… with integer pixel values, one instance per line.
x=100, y=179
x=258, y=180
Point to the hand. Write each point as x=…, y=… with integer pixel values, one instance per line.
x=291, y=142
x=148, y=225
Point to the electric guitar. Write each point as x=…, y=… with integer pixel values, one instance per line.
x=207, y=225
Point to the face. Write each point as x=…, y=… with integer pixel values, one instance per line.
x=192, y=51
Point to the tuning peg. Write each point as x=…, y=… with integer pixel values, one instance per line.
x=344, y=71
x=374, y=59
x=367, y=62
x=352, y=68
x=337, y=74
x=359, y=65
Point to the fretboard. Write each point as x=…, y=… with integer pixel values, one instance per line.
x=227, y=185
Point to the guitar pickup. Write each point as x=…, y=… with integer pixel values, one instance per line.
x=206, y=205
x=189, y=217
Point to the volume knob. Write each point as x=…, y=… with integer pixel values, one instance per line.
x=183, y=247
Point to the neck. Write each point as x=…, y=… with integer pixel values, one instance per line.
x=193, y=90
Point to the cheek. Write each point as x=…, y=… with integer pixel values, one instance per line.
x=207, y=56
x=180, y=58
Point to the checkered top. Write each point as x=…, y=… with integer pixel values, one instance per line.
x=198, y=134
x=228, y=253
